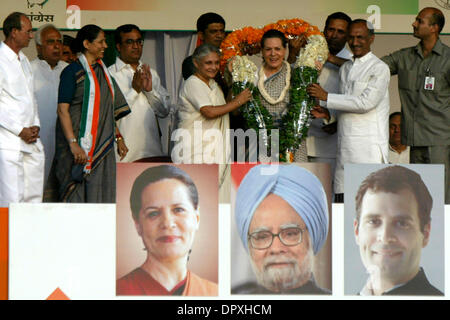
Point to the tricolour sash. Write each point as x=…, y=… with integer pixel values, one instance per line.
x=91, y=109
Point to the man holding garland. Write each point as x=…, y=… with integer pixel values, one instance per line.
x=362, y=107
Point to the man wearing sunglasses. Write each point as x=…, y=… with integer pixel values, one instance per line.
x=144, y=93
x=282, y=219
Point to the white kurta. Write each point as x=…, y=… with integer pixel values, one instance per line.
x=203, y=140
x=46, y=83
x=362, y=113
x=21, y=164
x=139, y=128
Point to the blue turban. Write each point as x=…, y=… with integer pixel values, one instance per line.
x=297, y=186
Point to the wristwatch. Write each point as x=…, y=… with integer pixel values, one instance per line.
x=72, y=140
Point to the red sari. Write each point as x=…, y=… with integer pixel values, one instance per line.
x=140, y=283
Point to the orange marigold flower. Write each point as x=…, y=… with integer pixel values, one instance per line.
x=246, y=41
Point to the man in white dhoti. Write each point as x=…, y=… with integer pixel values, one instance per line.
x=144, y=93
x=21, y=151
x=47, y=68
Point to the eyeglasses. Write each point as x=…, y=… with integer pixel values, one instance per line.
x=264, y=239
x=130, y=42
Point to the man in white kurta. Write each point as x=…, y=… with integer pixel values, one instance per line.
x=140, y=128
x=21, y=151
x=362, y=107
x=46, y=71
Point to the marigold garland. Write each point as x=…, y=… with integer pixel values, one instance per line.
x=246, y=41
x=295, y=123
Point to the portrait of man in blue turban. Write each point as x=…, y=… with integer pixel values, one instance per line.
x=282, y=220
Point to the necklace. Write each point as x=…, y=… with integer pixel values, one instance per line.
x=263, y=91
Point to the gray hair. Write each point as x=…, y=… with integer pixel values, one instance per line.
x=203, y=51
x=369, y=25
x=38, y=35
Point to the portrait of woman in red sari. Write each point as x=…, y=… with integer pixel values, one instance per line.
x=164, y=203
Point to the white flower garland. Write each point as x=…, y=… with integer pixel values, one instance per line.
x=298, y=117
x=263, y=91
x=244, y=70
x=315, y=50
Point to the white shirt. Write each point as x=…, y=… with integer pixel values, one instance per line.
x=18, y=107
x=139, y=128
x=362, y=112
x=46, y=83
x=395, y=157
x=320, y=143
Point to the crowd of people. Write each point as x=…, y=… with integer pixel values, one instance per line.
x=89, y=116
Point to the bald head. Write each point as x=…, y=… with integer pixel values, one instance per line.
x=436, y=17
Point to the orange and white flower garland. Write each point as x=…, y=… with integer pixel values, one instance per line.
x=246, y=41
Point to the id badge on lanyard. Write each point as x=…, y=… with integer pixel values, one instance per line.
x=429, y=81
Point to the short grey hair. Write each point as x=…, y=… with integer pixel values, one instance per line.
x=369, y=25
x=38, y=35
x=204, y=50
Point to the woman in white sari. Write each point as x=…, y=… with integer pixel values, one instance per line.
x=203, y=117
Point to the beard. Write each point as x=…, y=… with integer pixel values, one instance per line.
x=291, y=276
